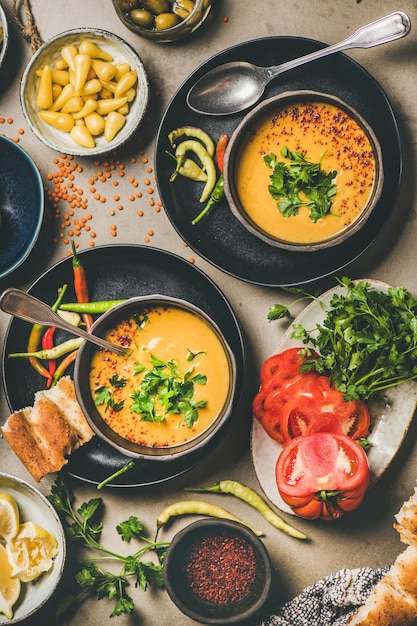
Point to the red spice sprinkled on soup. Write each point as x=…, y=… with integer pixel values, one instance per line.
x=323, y=135
x=173, y=386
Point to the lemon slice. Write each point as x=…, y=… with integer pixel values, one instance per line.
x=31, y=552
x=9, y=587
x=9, y=516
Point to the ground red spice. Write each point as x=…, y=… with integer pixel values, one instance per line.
x=221, y=568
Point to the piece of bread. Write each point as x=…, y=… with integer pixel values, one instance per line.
x=407, y=520
x=43, y=436
x=393, y=601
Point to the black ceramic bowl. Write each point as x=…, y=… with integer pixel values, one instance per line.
x=333, y=136
x=234, y=592
x=106, y=322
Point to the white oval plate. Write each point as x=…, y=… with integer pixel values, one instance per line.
x=389, y=422
x=34, y=506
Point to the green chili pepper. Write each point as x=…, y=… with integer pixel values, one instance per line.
x=198, y=507
x=52, y=353
x=35, y=337
x=189, y=169
x=192, y=131
x=98, y=306
x=251, y=497
x=191, y=145
x=125, y=468
x=215, y=197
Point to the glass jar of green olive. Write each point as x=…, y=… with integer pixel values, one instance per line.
x=162, y=21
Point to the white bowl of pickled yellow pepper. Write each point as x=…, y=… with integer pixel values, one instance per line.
x=84, y=92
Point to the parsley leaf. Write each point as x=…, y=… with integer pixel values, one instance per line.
x=83, y=524
x=300, y=182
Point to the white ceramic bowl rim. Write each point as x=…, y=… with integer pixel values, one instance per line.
x=59, y=140
x=4, y=25
x=34, y=506
x=239, y=135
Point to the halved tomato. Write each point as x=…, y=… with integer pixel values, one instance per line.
x=322, y=475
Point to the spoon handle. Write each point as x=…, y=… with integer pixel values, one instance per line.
x=383, y=30
x=30, y=309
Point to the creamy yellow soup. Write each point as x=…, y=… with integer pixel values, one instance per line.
x=160, y=335
x=313, y=128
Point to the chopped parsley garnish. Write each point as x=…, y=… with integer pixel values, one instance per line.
x=162, y=390
x=290, y=179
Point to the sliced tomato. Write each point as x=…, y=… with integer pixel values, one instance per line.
x=286, y=364
x=322, y=475
x=320, y=412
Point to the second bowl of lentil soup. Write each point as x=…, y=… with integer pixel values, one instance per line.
x=172, y=394
x=303, y=171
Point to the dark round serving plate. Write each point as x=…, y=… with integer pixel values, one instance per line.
x=219, y=237
x=117, y=272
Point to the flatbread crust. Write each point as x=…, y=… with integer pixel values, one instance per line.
x=43, y=436
x=393, y=601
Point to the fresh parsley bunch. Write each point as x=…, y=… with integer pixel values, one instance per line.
x=83, y=527
x=367, y=342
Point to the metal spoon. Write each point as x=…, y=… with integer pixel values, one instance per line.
x=235, y=86
x=30, y=309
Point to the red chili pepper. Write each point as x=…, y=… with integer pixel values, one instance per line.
x=35, y=337
x=81, y=286
x=220, y=151
x=47, y=343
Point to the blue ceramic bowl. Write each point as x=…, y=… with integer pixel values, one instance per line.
x=21, y=205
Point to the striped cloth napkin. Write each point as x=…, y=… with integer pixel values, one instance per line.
x=328, y=602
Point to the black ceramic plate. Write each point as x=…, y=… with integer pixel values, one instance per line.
x=219, y=237
x=117, y=272
x=21, y=205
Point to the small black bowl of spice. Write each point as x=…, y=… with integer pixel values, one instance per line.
x=217, y=572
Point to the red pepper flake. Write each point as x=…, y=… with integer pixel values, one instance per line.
x=221, y=568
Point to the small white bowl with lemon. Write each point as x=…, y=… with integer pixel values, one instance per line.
x=32, y=549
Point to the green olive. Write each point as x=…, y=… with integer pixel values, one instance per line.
x=183, y=8
x=127, y=5
x=142, y=18
x=156, y=6
x=166, y=20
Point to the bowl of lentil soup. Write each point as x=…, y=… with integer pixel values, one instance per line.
x=303, y=171
x=85, y=92
x=217, y=572
x=173, y=393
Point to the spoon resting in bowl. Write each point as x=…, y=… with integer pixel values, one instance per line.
x=30, y=309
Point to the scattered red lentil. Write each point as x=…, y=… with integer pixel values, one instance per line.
x=221, y=568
